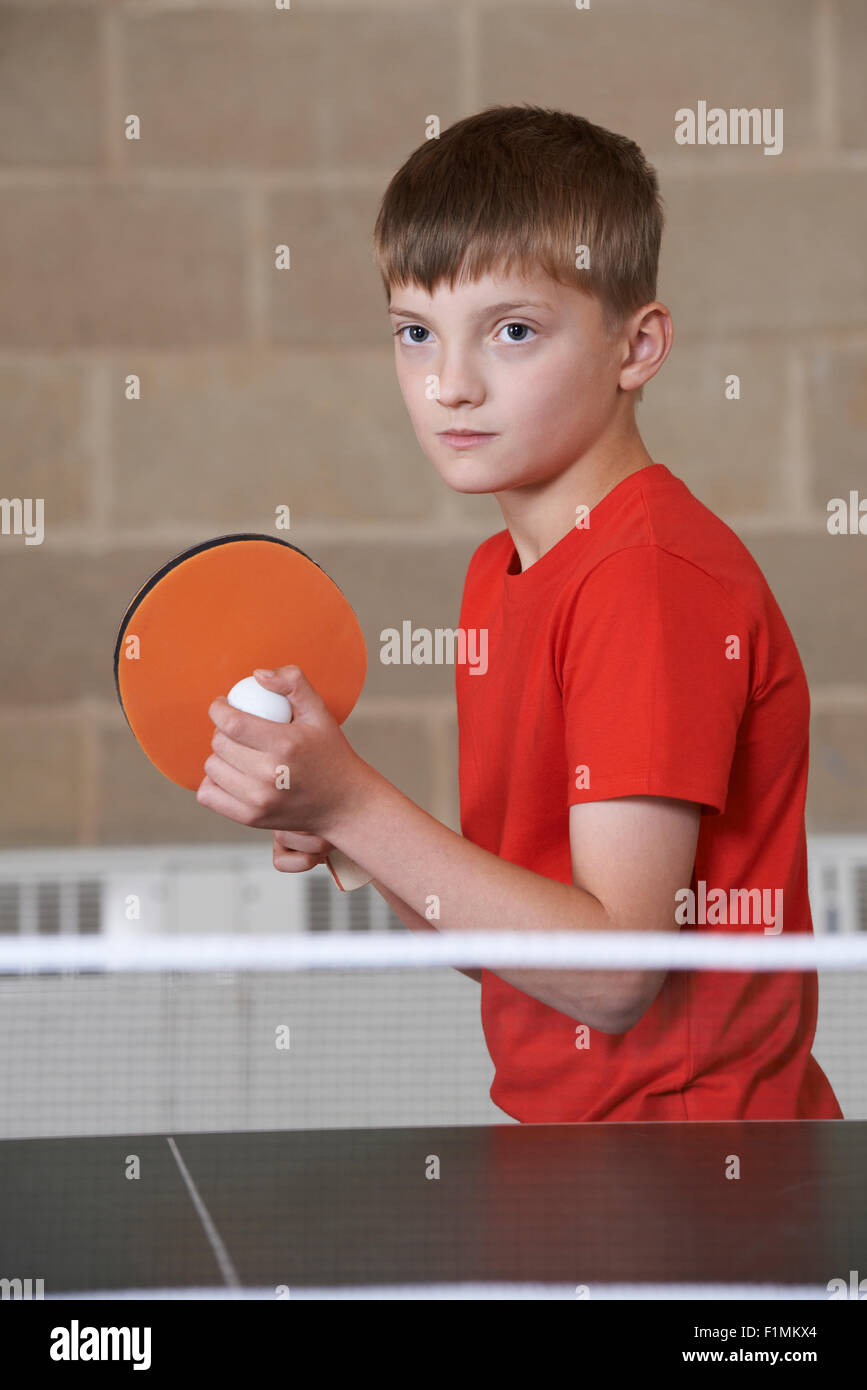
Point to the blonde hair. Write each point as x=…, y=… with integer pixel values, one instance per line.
x=521, y=188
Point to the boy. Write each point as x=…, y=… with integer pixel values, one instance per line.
x=640, y=736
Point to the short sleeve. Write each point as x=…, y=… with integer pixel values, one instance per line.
x=653, y=660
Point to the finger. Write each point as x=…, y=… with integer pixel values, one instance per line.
x=215, y=799
x=294, y=861
x=236, y=754
x=298, y=839
x=247, y=729
x=291, y=681
x=251, y=788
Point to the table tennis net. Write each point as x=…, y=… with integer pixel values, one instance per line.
x=102, y=1035
x=205, y=1054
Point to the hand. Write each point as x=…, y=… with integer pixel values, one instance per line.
x=295, y=852
x=278, y=776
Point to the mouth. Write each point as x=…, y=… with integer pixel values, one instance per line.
x=465, y=439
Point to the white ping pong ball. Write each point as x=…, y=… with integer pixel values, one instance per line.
x=251, y=697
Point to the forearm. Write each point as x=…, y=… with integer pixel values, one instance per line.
x=424, y=863
x=414, y=921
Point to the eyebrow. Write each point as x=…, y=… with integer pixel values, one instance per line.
x=507, y=307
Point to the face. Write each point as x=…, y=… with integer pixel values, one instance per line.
x=523, y=363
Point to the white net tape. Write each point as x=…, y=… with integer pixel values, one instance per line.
x=421, y=950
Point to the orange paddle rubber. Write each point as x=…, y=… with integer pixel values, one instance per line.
x=210, y=617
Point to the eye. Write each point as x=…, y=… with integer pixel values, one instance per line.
x=524, y=327
x=411, y=328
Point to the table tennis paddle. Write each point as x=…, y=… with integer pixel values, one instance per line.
x=210, y=617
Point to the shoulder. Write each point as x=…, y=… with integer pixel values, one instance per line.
x=663, y=537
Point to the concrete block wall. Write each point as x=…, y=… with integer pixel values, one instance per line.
x=263, y=388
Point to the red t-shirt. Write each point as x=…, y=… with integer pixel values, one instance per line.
x=645, y=655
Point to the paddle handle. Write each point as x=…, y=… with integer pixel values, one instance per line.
x=346, y=874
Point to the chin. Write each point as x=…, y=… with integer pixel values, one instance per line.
x=478, y=489
x=469, y=479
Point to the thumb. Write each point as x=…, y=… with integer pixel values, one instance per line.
x=292, y=682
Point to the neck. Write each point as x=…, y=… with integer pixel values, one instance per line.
x=541, y=514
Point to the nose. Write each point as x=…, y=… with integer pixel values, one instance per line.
x=459, y=382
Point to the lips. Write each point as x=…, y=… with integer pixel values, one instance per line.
x=465, y=439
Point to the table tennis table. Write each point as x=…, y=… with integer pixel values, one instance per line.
x=555, y=1209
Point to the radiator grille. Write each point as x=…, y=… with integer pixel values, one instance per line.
x=167, y=890
x=203, y=888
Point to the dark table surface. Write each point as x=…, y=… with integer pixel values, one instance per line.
x=574, y=1205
